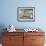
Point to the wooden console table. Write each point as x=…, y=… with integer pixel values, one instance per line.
x=23, y=38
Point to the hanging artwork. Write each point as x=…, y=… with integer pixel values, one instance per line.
x=26, y=14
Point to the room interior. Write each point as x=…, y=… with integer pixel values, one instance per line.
x=8, y=15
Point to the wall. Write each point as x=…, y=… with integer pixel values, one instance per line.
x=9, y=13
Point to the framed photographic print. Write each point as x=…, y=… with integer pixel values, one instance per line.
x=26, y=14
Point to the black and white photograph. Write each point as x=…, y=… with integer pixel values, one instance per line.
x=26, y=14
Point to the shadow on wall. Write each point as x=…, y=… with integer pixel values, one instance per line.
x=2, y=26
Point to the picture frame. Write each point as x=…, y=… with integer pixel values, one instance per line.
x=26, y=14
